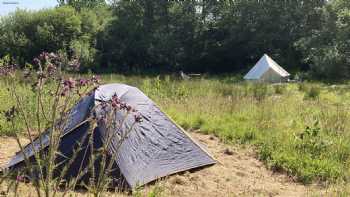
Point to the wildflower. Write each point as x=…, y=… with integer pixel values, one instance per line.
x=115, y=98
x=82, y=82
x=70, y=83
x=74, y=64
x=104, y=105
x=51, y=69
x=115, y=102
x=65, y=91
x=123, y=105
x=6, y=70
x=95, y=79
x=3, y=71
x=115, y=105
x=53, y=56
x=36, y=61
x=129, y=108
x=44, y=56
x=21, y=178
x=138, y=118
x=10, y=114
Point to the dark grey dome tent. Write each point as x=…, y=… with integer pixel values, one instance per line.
x=155, y=148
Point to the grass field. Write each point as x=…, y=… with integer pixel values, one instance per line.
x=302, y=129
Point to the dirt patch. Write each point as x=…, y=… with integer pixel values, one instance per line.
x=237, y=173
x=8, y=147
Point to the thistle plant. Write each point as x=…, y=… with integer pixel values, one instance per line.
x=55, y=93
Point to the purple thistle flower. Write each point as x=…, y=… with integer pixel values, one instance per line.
x=3, y=71
x=138, y=117
x=44, y=56
x=115, y=98
x=82, y=82
x=64, y=91
x=51, y=69
x=104, y=105
x=7, y=69
x=123, y=105
x=69, y=83
x=128, y=108
x=36, y=61
x=115, y=102
x=115, y=105
x=20, y=178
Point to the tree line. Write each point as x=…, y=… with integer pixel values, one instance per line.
x=214, y=36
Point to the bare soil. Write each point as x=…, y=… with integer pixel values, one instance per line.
x=237, y=173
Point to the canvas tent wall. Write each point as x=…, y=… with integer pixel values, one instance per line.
x=155, y=148
x=267, y=70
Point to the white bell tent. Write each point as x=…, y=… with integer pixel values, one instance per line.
x=267, y=70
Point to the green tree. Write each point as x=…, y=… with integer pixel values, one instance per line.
x=327, y=49
x=80, y=4
x=26, y=34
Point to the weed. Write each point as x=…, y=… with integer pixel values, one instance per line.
x=248, y=137
x=303, y=87
x=259, y=91
x=279, y=89
x=313, y=92
x=47, y=168
x=156, y=192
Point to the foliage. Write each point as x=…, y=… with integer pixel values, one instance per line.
x=25, y=34
x=279, y=126
x=313, y=92
x=206, y=36
x=327, y=48
x=279, y=89
x=201, y=36
x=81, y=4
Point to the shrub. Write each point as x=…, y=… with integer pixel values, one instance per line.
x=303, y=87
x=311, y=142
x=279, y=89
x=313, y=92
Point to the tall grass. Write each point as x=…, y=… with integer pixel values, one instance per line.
x=270, y=117
x=48, y=169
x=300, y=129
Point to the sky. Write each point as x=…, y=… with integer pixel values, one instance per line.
x=25, y=4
